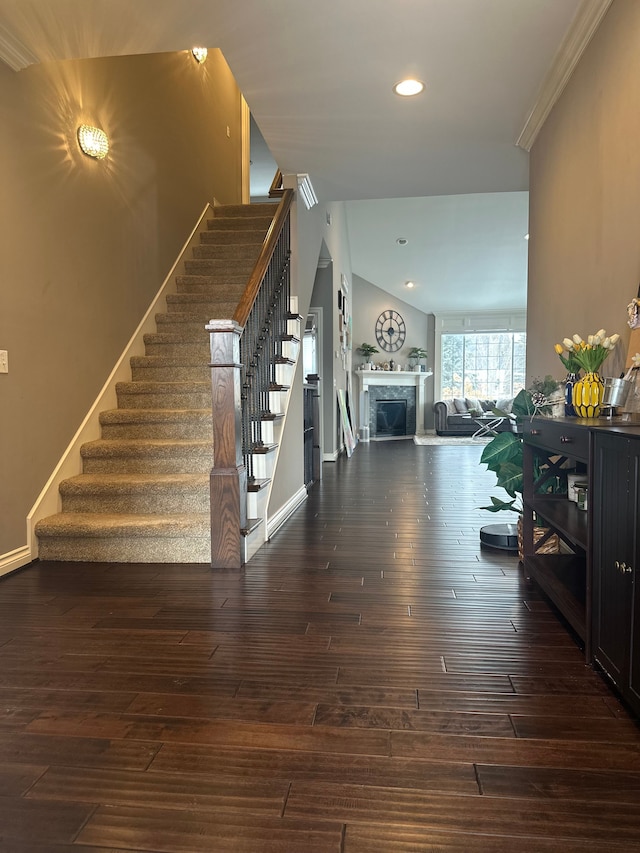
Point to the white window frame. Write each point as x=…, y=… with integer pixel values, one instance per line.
x=459, y=323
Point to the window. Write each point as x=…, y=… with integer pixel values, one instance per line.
x=486, y=365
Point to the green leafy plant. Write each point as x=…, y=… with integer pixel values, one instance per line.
x=367, y=350
x=503, y=455
x=417, y=353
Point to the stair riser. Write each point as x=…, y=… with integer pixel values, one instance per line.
x=241, y=236
x=180, y=351
x=277, y=401
x=239, y=252
x=260, y=208
x=211, y=267
x=170, y=502
x=171, y=323
x=186, y=400
x=239, y=223
x=223, y=281
x=230, y=290
x=263, y=464
x=178, y=373
x=207, y=306
x=126, y=550
x=147, y=465
x=181, y=432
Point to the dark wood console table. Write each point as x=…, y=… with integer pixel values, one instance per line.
x=592, y=581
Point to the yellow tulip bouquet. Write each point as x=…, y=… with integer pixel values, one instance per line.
x=589, y=356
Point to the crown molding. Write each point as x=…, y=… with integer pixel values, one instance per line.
x=580, y=33
x=15, y=54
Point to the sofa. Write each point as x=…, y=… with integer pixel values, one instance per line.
x=465, y=416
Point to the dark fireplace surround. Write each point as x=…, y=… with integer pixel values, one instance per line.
x=391, y=394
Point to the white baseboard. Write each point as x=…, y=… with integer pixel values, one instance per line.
x=276, y=520
x=13, y=560
x=331, y=457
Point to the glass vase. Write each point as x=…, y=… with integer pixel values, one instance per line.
x=587, y=395
x=570, y=381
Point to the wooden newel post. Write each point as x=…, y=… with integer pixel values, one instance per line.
x=228, y=481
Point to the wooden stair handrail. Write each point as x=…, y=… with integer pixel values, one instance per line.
x=276, y=189
x=245, y=305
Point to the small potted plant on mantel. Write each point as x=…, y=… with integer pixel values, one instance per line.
x=367, y=350
x=416, y=354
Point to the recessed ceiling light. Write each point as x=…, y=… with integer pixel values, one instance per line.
x=409, y=284
x=408, y=87
x=402, y=241
x=526, y=236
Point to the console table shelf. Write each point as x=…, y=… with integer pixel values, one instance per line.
x=562, y=578
x=550, y=448
x=565, y=517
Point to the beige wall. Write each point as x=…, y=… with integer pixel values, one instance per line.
x=584, y=247
x=84, y=245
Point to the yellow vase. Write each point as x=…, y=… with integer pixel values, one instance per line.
x=587, y=396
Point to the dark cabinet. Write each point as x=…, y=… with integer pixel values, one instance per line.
x=616, y=560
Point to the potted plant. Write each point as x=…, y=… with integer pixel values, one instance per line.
x=367, y=350
x=416, y=354
x=503, y=455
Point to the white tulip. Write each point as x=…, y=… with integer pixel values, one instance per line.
x=568, y=344
x=601, y=334
x=614, y=339
x=606, y=343
x=577, y=339
x=590, y=340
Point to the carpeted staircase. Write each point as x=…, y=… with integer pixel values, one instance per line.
x=143, y=495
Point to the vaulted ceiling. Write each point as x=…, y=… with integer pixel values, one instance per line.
x=318, y=79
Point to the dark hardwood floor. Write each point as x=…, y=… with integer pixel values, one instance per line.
x=372, y=682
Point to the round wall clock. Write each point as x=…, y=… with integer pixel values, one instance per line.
x=390, y=331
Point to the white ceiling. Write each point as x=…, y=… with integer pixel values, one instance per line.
x=318, y=79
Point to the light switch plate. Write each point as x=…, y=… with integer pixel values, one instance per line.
x=4, y=361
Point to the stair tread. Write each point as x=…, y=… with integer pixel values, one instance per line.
x=128, y=482
x=105, y=524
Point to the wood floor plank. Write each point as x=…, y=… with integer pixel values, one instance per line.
x=373, y=838
x=76, y=751
x=519, y=818
x=560, y=784
x=290, y=765
x=193, y=832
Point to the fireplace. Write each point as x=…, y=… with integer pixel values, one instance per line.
x=391, y=385
x=391, y=417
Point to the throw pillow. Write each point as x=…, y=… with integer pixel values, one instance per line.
x=505, y=405
x=473, y=405
x=461, y=406
x=488, y=405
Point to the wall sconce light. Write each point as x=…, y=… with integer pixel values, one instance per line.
x=199, y=54
x=93, y=141
x=307, y=193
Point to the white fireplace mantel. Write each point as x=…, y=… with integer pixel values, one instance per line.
x=367, y=378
